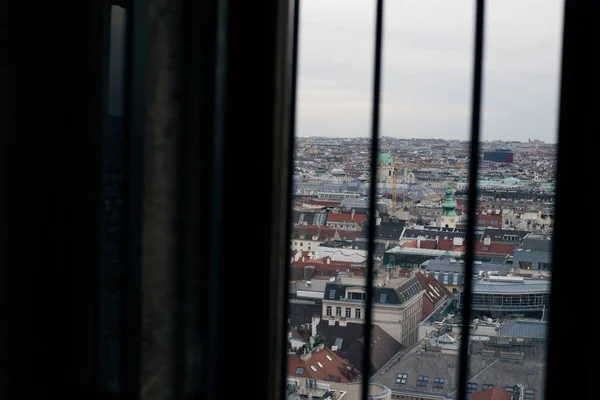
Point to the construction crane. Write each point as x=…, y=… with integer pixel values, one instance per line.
x=394, y=176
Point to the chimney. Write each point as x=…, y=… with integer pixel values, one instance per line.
x=352, y=214
x=457, y=241
x=418, y=243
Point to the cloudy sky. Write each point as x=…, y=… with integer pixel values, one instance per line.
x=427, y=68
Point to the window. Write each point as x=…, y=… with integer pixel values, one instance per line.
x=401, y=379
x=529, y=394
x=338, y=311
x=486, y=386
x=428, y=151
x=358, y=296
x=328, y=312
x=509, y=389
x=332, y=294
x=299, y=371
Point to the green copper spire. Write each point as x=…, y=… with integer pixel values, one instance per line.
x=449, y=205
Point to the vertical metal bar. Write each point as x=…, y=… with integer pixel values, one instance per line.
x=135, y=117
x=472, y=199
x=220, y=104
x=372, y=201
x=292, y=137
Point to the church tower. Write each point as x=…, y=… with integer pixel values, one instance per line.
x=448, y=219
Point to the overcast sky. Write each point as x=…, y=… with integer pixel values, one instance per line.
x=427, y=73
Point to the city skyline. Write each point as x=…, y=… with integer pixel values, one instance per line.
x=425, y=138
x=427, y=74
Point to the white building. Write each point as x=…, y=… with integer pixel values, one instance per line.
x=397, y=306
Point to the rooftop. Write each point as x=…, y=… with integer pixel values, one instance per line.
x=525, y=329
x=515, y=285
x=435, y=373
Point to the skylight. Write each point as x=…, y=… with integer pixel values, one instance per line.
x=401, y=378
x=438, y=383
x=423, y=381
x=313, y=368
x=320, y=365
x=328, y=357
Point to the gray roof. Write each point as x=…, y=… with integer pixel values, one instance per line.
x=445, y=265
x=537, y=243
x=488, y=370
x=383, y=348
x=526, y=286
x=525, y=329
x=385, y=231
x=383, y=295
x=432, y=233
x=355, y=203
x=316, y=285
x=498, y=235
x=301, y=312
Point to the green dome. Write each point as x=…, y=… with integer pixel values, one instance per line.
x=385, y=158
x=449, y=205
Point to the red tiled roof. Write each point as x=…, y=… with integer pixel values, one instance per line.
x=434, y=294
x=496, y=248
x=411, y=245
x=321, y=202
x=491, y=394
x=346, y=218
x=448, y=245
x=428, y=307
x=489, y=217
x=322, y=232
x=326, y=369
x=428, y=244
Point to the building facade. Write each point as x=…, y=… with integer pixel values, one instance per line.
x=397, y=307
